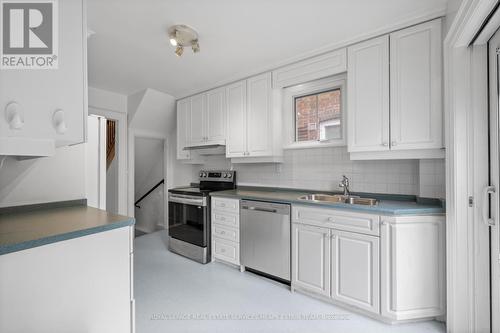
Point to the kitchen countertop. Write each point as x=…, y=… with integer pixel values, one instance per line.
x=25, y=229
x=388, y=204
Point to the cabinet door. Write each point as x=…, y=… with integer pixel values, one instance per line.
x=355, y=270
x=311, y=258
x=413, y=267
x=236, y=140
x=40, y=92
x=182, y=129
x=197, y=120
x=368, y=95
x=416, y=71
x=259, y=116
x=216, y=116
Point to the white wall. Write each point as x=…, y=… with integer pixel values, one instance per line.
x=148, y=164
x=322, y=169
x=57, y=178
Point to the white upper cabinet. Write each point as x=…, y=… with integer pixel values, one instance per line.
x=416, y=87
x=207, y=119
x=40, y=93
x=183, y=107
x=216, y=115
x=395, y=109
x=236, y=143
x=368, y=95
x=259, y=116
x=197, y=131
x=253, y=125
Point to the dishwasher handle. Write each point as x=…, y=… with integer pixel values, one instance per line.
x=258, y=209
x=266, y=207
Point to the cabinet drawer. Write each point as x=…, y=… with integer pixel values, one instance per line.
x=337, y=219
x=231, y=234
x=226, y=250
x=229, y=220
x=226, y=205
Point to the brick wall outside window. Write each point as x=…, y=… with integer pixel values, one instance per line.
x=312, y=110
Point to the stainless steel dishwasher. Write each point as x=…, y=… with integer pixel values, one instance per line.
x=265, y=237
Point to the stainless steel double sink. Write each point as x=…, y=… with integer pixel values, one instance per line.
x=337, y=198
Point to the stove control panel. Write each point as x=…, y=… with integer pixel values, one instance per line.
x=217, y=175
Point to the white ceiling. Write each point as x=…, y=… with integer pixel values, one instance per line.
x=130, y=50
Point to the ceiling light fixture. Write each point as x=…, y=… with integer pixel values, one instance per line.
x=182, y=36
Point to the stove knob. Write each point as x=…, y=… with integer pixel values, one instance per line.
x=201, y=174
x=225, y=175
x=229, y=175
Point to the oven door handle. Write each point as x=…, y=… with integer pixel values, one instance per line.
x=187, y=201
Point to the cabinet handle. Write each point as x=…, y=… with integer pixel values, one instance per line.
x=333, y=236
x=394, y=143
x=222, y=232
x=383, y=223
x=330, y=219
x=385, y=144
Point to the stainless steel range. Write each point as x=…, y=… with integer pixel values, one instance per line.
x=189, y=214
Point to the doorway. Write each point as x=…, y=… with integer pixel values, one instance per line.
x=149, y=184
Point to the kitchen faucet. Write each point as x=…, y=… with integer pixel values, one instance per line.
x=345, y=185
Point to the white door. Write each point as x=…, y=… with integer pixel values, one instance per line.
x=368, y=95
x=197, y=133
x=216, y=116
x=95, y=149
x=311, y=258
x=493, y=216
x=416, y=87
x=236, y=141
x=259, y=115
x=355, y=270
x=182, y=129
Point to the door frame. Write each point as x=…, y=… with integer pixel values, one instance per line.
x=121, y=119
x=138, y=133
x=466, y=128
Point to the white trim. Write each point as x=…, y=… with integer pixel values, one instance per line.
x=405, y=23
x=465, y=160
x=121, y=118
x=309, y=88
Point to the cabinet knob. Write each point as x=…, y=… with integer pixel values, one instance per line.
x=222, y=232
x=333, y=236
x=14, y=116
x=394, y=143
x=385, y=144
x=331, y=219
x=58, y=122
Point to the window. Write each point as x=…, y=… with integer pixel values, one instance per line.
x=318, y=116
x=313, y=113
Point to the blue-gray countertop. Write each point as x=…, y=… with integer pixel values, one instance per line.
x=388, y=204
x=29, y=228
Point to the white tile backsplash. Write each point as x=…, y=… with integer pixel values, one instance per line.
x=322, y=169
x=432, y=178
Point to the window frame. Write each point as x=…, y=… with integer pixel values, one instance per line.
x=306, y=89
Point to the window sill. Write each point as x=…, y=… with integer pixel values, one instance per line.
x=306, y=145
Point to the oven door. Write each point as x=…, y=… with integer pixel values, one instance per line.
x=188, y=219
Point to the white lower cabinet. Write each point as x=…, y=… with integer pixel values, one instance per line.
x=225, y=217
x=311, y=258
x=355, y=270
x=397, y=276
x=413, y=267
